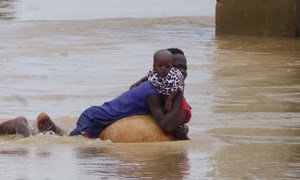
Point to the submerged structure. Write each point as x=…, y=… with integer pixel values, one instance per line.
x=258, y=17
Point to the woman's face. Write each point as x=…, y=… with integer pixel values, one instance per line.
x=180, y=64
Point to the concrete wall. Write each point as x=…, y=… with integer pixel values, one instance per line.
x=258, y=17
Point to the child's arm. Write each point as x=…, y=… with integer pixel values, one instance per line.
x=169, y=101
x=139, y=82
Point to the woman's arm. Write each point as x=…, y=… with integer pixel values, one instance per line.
x=167, y=121
x=139, y=82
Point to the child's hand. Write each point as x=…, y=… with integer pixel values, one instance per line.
x=168, y=106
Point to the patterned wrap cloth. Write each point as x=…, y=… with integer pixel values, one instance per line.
x=167, y=84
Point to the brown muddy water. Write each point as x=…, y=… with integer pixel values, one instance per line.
x=61, y=57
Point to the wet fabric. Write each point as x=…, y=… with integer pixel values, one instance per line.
x=187, y=108
x=132, y=102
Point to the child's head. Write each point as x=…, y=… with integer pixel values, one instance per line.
x=162, y=62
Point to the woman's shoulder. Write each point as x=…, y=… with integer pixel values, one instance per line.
x=147, y=87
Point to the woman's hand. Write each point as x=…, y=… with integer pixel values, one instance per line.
x=181, y=132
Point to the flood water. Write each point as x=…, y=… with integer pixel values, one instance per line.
x=62, y=56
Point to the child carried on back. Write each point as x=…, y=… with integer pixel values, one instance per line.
x=167, y=80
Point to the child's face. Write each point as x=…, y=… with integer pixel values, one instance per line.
x=162, y=66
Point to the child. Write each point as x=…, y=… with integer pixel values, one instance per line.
x=167, y=79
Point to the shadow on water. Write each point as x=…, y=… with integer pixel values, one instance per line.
x=257, y=160
x=7, y=9
x=136, y=161
x=257, y=153
x=14, y=152
x=257, y=74
x=257, y=103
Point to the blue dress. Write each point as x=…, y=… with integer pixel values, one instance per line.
x=132, y=102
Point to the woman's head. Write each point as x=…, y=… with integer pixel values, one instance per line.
x=179, y=61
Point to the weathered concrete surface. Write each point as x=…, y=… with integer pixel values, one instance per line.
x=298, y=12
x=258, y=17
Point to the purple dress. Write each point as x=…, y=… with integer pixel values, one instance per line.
x=132, y=102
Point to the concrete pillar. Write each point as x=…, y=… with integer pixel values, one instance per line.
x=258, y=17
x=298, y=12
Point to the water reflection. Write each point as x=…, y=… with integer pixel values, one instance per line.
x=256, y=103
x=257, y=74
x=134, y=161
x=257, y=148
x=43, y=153
x=14, y=152
x=7, y=9
x=257, y=160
